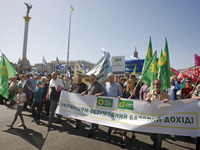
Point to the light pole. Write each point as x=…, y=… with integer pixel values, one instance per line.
x=69, y=38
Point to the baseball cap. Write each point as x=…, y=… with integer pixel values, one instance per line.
x=39, y=82
x=19, y=86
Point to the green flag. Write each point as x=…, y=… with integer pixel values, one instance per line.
x=7, y=71
x=134, y=70
x=150, y=72
x=148, y=55
x=164, y=68
x=159, y=62
x=161, y=56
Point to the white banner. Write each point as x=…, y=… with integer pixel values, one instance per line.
x=179, y=117
x=118, y=65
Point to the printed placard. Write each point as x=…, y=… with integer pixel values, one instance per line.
x=105, y=102
x=125, y=104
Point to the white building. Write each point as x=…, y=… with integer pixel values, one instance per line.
x=52, y=66
x=186, y=70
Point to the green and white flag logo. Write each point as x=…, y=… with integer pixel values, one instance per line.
x=105, y=102
x=125, y=104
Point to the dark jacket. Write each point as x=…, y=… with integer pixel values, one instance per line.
x=26, y=90
x=45, y=90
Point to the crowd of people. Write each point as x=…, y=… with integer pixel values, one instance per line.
x=40, y=95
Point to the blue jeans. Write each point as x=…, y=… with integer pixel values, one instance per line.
x=53, y=107
x=12, y=94
x=18, y=113
x=157, y=139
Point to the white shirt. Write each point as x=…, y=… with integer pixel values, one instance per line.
x=21, y=98
x=54, y=83
x=67, y=85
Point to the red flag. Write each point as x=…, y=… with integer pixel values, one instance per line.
x=185, y=75
x=197, y=60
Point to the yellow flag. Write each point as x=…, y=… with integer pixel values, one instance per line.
x=79, y=71
x=71, y=9
x=134, y=70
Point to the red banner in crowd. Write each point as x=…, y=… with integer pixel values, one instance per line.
x=190, y=71
x=196, y=71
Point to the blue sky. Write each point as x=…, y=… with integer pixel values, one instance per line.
x=116, y=25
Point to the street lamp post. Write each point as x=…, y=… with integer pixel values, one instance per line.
x=69, y=38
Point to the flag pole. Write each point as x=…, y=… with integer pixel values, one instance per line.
x=134, y=90
x=69, y=39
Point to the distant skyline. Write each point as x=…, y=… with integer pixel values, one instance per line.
x=115, y=25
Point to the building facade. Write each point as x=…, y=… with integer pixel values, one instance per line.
x=52, y=66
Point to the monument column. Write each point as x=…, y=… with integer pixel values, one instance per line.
x=27, y=19
x=24, y=64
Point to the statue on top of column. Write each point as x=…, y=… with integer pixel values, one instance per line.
x=29, y=6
